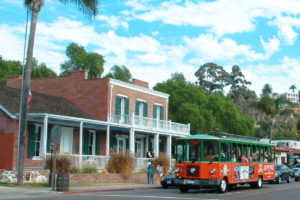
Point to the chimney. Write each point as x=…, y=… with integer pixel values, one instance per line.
x=140, y=83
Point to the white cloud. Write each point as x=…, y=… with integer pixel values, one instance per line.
x=270, y=47
x=155, y=33
x=113, y=21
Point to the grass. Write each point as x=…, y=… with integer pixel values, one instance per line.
x=25, y=185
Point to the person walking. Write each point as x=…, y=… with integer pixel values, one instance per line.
x=150, y=171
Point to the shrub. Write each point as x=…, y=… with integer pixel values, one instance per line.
x=63, y=164
x=121, y=163
x=74, y=170
x=163, y=161
x=90, y=169
x=104, y=171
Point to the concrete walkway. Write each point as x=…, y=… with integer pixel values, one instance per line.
x=24, y=193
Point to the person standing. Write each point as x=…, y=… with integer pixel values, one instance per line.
x=150, y=171
x=149, y=154
x=159, y=170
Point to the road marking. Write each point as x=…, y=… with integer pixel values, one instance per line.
x=158, y=197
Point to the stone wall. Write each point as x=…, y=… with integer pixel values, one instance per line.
x=34, y=176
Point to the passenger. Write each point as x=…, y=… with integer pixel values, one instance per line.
x=249, y=157
x=233, y=159
x=245, y=159
x=239, y=158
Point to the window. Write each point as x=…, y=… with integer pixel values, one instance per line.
x=194, y=150
x=225, y=151
x=92, y=143
x=158, y=112
x=180, y=152
x=141, y=108
x=122, y=109
x=37, y=140
x=210, y=151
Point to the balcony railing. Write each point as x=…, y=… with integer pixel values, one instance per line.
x=137, y=121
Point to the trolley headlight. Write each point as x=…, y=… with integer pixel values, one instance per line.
x=176, y=169
x=212, y=171
x=192, y=170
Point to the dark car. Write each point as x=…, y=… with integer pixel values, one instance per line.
x=283, y=173
x=168, y=180
x=296, y=173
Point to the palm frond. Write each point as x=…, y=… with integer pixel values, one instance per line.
x=87, y=7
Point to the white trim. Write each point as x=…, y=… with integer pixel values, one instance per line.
x=138, y=88
x=141, y=100
x=121, y=95
x=7, y=112
x=158, y=104
x=111, y=94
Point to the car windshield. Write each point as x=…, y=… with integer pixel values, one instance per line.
x=278, y=168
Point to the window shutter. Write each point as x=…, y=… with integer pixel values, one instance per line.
x=137, y=107
x=86, y=139
x=154, y=111
x=48, y=139
x=161, y=147
x=118, y=102
x=161, y=113
x=31, y=140
x=98, y=143
x=127, y=107
x=127, y=143
x=113, y=142
x=145, y=109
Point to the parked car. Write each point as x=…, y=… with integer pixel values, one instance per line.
x=296, y=167
x=168, y=180
x=296, y=173
x=283, y=173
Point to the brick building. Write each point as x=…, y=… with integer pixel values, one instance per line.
x=122, y=116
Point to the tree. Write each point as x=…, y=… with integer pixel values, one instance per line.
x=79, y=59
x=121, y=73
x=267, y=89
x=188, y=103
x=212, y=77
x=293, y=87
x=88, y=7
x=238, y=83
x=15, y=68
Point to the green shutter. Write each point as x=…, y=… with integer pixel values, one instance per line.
x=127, y=143
x=86, y=138
x=48, y=139
x=127, y=107
x=145, y=109
x=162, y=147
x=31, y=140
x=118, y=102
x=150, y=146
x=154, y=111
x=161, y=113
x=137, y=106
x=98, y=135
x=113, y=142
x=77, y=147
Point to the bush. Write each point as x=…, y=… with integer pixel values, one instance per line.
x=63, y=164
x=163, y=161
x=74, y=170
x=90, y=169
x=121, y=163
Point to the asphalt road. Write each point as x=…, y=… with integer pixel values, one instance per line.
x=269, y=191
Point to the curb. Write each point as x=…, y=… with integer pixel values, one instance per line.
x=108, y=190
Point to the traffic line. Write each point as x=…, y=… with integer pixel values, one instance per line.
x=157, y=197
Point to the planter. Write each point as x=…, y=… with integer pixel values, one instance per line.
x=62, y=182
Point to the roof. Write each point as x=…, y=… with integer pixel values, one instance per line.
x=224, y=136
x=10, y=100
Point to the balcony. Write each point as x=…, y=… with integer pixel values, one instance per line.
x=136, y=121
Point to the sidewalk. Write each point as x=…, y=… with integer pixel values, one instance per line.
x=20, y=192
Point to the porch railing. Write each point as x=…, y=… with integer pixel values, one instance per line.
x=150, y=123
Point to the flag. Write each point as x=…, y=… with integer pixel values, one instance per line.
x=29, y=98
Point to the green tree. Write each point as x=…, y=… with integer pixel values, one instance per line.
x=88, y=7
x=79, y=59
x=238, y=84
x=189, y=103
x=121, y=73
x=212, y=77
x=15, y=68
x=293, y=87
x=267, y=89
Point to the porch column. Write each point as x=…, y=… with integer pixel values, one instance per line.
x=45, y=133
x=107, y=141
x=80, y=144
x=169, y=146
x=147, y=143
x=156, y=145
x=131, y=141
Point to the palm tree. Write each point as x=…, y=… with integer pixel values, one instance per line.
x=267, y=89
x=89, y=8
x=293, y=87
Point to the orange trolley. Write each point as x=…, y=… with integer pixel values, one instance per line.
x=222, y=160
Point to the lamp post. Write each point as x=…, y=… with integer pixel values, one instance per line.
x=51, y=164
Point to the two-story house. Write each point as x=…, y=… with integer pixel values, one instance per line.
x=126, y=116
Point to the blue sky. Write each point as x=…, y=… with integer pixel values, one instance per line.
x=157, y=38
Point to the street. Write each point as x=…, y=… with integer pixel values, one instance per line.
x=269, y=191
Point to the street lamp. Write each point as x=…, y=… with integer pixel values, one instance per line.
x=51, y=164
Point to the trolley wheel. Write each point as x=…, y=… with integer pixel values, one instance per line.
x=184, y=189
x=222, y=187
x=279, y=180
x=259, y=183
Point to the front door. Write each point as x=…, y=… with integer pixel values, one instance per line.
x=66, y=141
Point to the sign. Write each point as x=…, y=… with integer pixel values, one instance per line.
x=56, y=133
